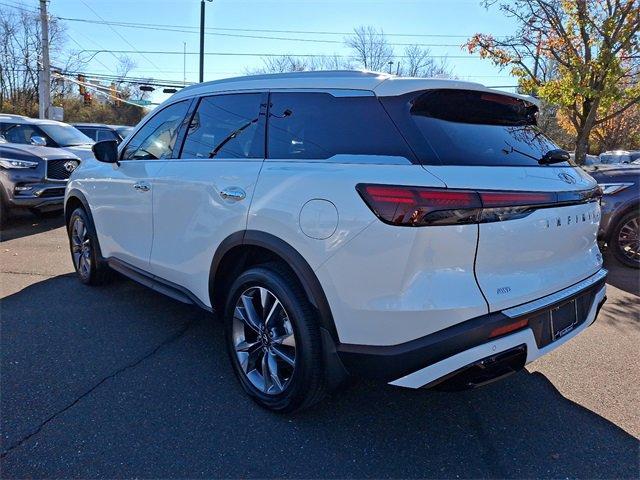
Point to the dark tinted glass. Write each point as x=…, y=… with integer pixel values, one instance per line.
x=104, y=134
x=89, y=132
x=22, y=133
x=226, y=126
x=319, y=125
x=460, y=127
x=157, y=138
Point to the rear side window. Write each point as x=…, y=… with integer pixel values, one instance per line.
x=318, y=126
x=226, y=126
x=466, y=127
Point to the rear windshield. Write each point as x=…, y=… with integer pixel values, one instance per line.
x=465, y=127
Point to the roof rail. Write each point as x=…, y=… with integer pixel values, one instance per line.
x=304, y=74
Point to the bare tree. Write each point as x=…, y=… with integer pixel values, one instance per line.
x=20, y=53
x=371, y=50
x=293, y=63
x=418, y=62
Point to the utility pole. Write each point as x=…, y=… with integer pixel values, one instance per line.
x=184, y=63
x=202, y=39
x=44, y=77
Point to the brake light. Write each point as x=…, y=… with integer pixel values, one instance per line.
x=422, y=206
x=416, y=206
x=515, y=199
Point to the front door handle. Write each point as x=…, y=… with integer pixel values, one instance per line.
x=233, y=193
x=142, y=186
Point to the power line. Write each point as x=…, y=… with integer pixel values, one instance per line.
x=234, y=35
x=18, y=7
x=247, y=54
x=121, y=36
x=265, y=30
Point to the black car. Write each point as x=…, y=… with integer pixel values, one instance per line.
x=34, y=178
x=99, y=131
x=620, y=224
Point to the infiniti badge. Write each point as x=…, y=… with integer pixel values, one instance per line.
x=70, y=166
x=566, y=177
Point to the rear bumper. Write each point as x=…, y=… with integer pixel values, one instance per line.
x=428, y=360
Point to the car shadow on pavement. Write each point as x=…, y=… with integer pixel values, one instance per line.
x=24, y=224
x=620, y=276
x=122, y=382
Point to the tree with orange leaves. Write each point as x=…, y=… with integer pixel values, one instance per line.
x=581, y=55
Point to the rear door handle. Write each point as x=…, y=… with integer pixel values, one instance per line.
x=233, y=193
x=142, y=186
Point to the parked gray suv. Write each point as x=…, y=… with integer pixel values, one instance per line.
x=33, y=178
x=620, y=224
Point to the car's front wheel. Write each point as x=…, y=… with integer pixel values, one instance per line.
x=625, y=240
x=83, y=243
x=274, y=340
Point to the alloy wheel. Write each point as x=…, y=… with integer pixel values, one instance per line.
x=629, y=239
x=81, y=247
x=263, y=340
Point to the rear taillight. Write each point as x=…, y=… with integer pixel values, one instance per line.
x=420, y=206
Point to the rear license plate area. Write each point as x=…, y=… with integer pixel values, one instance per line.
x=564, y=318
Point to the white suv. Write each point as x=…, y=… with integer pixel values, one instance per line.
x=417, y=231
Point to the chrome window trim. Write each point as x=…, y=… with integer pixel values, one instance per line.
x=555, y=297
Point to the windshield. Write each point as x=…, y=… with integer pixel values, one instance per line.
x=65, y=135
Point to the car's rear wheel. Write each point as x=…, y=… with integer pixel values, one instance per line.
x=274, y=340
x=625, y=240
x=83, y=243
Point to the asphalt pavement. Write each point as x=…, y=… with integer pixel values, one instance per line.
x=121, y=382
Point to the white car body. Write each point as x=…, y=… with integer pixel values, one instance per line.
x=385, y=285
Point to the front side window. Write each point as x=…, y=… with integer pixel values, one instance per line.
x=22, y=133
x=320, y=125
x=226, y=126
x=157, y=138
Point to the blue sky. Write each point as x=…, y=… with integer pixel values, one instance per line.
x=424, y=17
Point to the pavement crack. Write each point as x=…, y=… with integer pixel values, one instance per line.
x=33, y=274
x=135, y=363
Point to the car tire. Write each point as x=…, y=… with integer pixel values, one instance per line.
x=83, y=244
x=272, y=333
x=624, y=239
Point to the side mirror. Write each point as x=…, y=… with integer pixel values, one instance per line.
x=106, y=151
x=38, y=141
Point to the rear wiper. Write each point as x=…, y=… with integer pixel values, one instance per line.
x=552, y=156
x=230, y=137
x=555, y=156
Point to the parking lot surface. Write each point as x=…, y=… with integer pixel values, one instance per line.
x=119, y=381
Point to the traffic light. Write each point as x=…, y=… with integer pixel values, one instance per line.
x=81, y=88
x=87, y=98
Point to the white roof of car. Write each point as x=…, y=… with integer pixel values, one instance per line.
x=33, y=121
x=382, y=84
